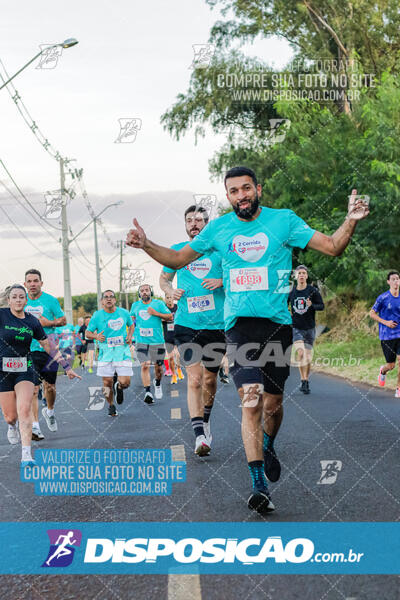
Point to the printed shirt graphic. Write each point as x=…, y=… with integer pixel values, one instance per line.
x=199, y=308
x=65, y=335
x=304, y=316
x=388, y=308
x=148, y=328
x=113, y=325
x=45, y=306
x=256, y=261
x=16, y=335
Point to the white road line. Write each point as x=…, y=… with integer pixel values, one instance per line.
x=182, y=587
x=178, y=452
x=174, y=393
x=176, y=413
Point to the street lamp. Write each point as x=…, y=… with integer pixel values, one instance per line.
x=68, y=43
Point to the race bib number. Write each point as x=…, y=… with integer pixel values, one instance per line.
x=252, y=279
x=115, y=341
x=170, y=327
x=146, y=332
x=14, y=365
x=200, y=303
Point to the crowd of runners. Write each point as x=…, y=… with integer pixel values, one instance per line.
x=227, y=313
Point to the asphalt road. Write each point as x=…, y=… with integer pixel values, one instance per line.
x=353, y=425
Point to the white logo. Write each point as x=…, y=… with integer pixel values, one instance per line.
x=54, y=203
x=115, y=324
x=200, y=268
x=206, y=201
x=278, y=131
x=203, y=54
x=132, y=278
x=49, y=57
x=250, y=249
x=128, y=129
x=96, y=399
x=143, y=314
x=330, y=470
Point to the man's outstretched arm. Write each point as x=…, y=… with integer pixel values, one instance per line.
x=335, y=244
x=174, y=259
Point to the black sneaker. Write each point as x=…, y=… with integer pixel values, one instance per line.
x=118, y=391
x=272, y=466
x=112, y=411
x=223, y=378
x=306, y=387
x=260, y=501
x=149, y=398
x=303, y=386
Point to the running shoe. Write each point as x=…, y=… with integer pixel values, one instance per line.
x=158, y=390
x=303, y=386
x=112, y=411
x=168, y=373
x=306, y=387
x=272, y=466
x=37, y=435
x=381, y=377
x=260, y=501
x=207, y=433
x=13, y=435
x=149, y=398
x=223, y=378
x=174, y=378
x=28, y=463
x=90, y=370
x=50, y=421
x=180, y=374
x=118, y=392
x=397, y=394
x=202, y=448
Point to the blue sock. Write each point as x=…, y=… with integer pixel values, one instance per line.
x=268, y=441
x=256, y=468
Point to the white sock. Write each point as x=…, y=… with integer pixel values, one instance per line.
x=50, y=412
x=26, y=453
x=36, y=424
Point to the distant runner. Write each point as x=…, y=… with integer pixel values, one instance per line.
x=386, y=311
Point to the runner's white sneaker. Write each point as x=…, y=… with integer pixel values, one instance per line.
x=201, y=448
x=50, y=421
x=158, y=390
x=207, y=433
x=13, y=434
x=37, y=435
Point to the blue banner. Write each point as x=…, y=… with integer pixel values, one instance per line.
x=205, y=548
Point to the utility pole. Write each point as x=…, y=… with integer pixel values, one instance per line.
x=96, y=251
x=65, y=248
x=120, y=272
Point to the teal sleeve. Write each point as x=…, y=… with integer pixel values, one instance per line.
x=299, y=232
x=92, y=323
x=56, y=308
x=202, y=243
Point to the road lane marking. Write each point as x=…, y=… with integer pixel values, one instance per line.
x=178, y=452
x=174, y=393
x=176, y=413
x=182, y=587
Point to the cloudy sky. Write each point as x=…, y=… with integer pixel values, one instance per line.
x=132, y=60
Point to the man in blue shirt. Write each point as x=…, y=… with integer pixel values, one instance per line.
x=386, y=311
x=149, y=314
x=199, y=326
x=47, y=309
x=256, y=245
x=112, y=328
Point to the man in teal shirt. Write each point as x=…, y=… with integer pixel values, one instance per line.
x=256, y=245
x=66, y=342
x=149, y=313
x=47, y=309
x=199, y=326
x=112, y=328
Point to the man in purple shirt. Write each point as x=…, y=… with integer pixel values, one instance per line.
x=386, y=311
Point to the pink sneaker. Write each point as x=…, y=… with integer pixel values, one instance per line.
x=397, y=394
x=381, y=377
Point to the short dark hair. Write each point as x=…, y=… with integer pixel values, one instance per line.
x=195, y=208
x=87, y=317
x=105, y=292
x=33, y=272
x=392, y=273
x=239, y=172
x=301, y=267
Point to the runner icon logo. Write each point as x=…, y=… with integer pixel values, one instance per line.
x=330, y=470
x=96, y=398
x=63, y=543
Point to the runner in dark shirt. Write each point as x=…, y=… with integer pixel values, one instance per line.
x=17, y=373
x=304, y=300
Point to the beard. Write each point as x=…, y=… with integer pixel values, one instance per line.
x=145, y=297
x=247, y=213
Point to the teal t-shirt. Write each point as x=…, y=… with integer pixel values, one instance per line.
x=66, y=335
x=199, y=308
x=113, y=325
x=256, y=261
x=148, y=328
x=45, y=306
